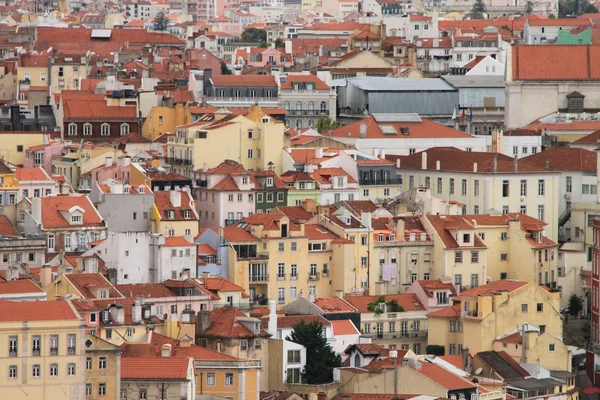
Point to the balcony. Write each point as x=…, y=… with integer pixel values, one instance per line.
x=36, y=351
x=24, y=85
x=179, y=161
x=293, y=277
x=314, y=277
x=418, y=334
x=263, y=278
x=371, y=182
x=71, y=350
x=471, y=314
x=13, y=352
x=180, y=140
x=307, y=113
x=281, y=277
x=53, y=351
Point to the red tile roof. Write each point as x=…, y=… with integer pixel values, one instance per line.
x=416, y=130
x=31, y=174
x=569, y=62
x=372, y=349
x=177, y=241
x=57, y=310
x=224, y=323
x=344, y=327
x=436, y=284
x=246, y=80
x=334, y=304
x=162, y=200
x=291, y=79
x=564, y=159
x=295, y=213
x=19, y=286
x=83, y=283
x=89, y=106
x=53, y=205
x=6, y=228
x=269, y=222
x=592, y=139
x=448, y=312
x=236, y=234
x=455, y=359
x=474, y=62
x=220, y=284
x=514, y=338
x=148, y=290
x=444, y=377
x=153, y=368
x=205, y=249
x=323, y=175
x=408, y=301
x=503, y=285
x=563, y=22
x=152, y=348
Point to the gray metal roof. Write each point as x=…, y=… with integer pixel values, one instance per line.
x=400, y=117
x=533, y=383
x=385, y=84
x=500, y=365
x=475, y=81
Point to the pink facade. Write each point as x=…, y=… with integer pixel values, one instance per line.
x=35, y=182
x=119, y=170
x=257, y=57
x=225, y=24
x=42, y=155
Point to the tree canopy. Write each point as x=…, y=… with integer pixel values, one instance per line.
x=161, y=22
x=325, y=124
x=320, y=357
x=224, y=69
x=478, y=10
x=575, y=305
x=254, y=35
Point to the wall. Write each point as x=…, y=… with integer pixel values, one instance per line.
x=129, y=254
x=118, y=211
x=14, y=144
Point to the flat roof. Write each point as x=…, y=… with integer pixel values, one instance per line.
x=475, y=81
x=385, y=84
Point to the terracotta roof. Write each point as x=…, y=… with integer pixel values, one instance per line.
x=374, y=396
x=242, y=81
x=360, y=206
x=177, y=241
x=224, y=323
x=303, y=78
x=90, y=106
x=503, y=285
x=31, y=174
x=269, y=222
x=148, y=290
x=455, y=359
x=448, y=312
x=563, y=22
x=591, y=139
x=453, y=159
x=205, y=249
x=418, y=17
x=162, y=200
x=408, y=301
x=474, y=62
x=277, y=182
x=344, y=327
x=564, y=159
x=443, y=224
x=436, y=284
x=220, y=284
x=309, y=156
x=323, y=175
x=52, y=206
x=416, y=130
x=371, y=349
x=43, y=311
x=83, y=283
x=295, y=213
x=6, y=228
x=19, y=286
x=317, y=232
x=331, y=305
x=236, y=234
x=154, y=368
x=444, y=42
x=569, y=62
x=514, y=338
x=444, y=377
x=152, y=348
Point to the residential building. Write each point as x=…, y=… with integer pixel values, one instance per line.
x=306, y=99
x=172, y=257
x=19, y=254
x=144, y=377
x=485, y=182
x=78, y=160
x=301, y=187
x=102, y=368
x=41, y=155
x=45, y=344
x=433, y=294
x=37, y=120
x=174, y=213
x=212, y=255
x=158, y=177
x=335, y=184
x=595, y=294
x=270, y=191
x=19, y=289
x=35, y=182
x=214, y=136
x=244, y=92
x=393, y=320
x=88, y=285
x=259, y=57
x=164, y=120
x=538, y=31
x=67, y=71
x=434, y=54
x=68, y=223
x=13, y=145
x=482, y=316
x=32, y=76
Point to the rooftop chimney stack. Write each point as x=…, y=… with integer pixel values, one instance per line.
x=272, y=327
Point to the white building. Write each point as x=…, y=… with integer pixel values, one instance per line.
x=306, y=99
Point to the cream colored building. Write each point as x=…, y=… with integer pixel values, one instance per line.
x=254, y=140
x=81, y=159
x=43, y=356
x=485, y=183
x=476, y=249
x=483, y=319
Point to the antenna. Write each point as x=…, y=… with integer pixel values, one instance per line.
x=479, y=371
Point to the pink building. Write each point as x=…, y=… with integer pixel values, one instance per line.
x=224, y=194
x=257, y=57
x=225, y=24
x=41, y=155
x=35, y=182
x=119, y=170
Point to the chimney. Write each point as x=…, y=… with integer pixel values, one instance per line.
x=516, y=164
x=108, y=161
x=365, y=219
x=136, y=311
x=400, y=228
x=548, y=164
x=465, y=358
x=319, y=152
x=165, y=350
x=424, y=160
x=45, y=275
x=202, y=321
x=321, y=53
x=382, y=154
x=495, y=163
x=248, y=51
x=438, y=165
x=175, y=196
x=397, y=163
x=272, y=327
x=363, y=130
x=204, y=167
x=523, y=344
x=36, y=209
x=475, y=167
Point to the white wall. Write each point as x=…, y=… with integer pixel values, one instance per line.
x=132, y=267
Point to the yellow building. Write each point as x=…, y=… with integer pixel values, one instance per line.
x=32, y=77
x=174, y=213
x=163, y=120
x=253, y=140
x=102, y=368
x=476, y=249
x=488, y=317
x=9, y=186
x=43, y=355
x=14, y=145
x=82, y=159
x=67, y=71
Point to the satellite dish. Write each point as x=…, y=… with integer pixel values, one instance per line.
x=479, y=371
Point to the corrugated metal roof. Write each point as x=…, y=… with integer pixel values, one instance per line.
x=400, y=117
x=378, y=84
x=475, y=81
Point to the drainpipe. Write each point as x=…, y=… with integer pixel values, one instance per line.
x=523, y=341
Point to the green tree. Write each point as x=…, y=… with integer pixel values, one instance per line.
x=575, y=305
x=325, y=124
x=435, y=349
x=279, y=43
x=478, y=10
x=263, y=45
x=161, y=22
x=224, y=69
x=254, y=35
x=552, y=16
x=589, y=9
x=320, y=357
x=529, y=8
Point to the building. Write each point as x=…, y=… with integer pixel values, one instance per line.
x=306, y=99
x=43, y=343
x=271, y=191
x=484, y=316
x=174, y=213
x=242, y=91
x=539, y=31
x=486, y=182
x=102, y=368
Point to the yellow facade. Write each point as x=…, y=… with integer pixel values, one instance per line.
x=13, y=145
x=73, y=164
x=37, y=75
x=163, y=120
x=253, y=140
x=476, y=322
x=178, y=227
x=246, y=379
x=29, y=384
x=67, y=76
x=103, y=367
x=9, y=187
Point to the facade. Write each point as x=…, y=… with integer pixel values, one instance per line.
x=306, y=99
x=102, y=368
x=271, y=191
x=237, y=91
x=174, y=213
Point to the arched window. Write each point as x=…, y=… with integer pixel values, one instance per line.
x=323, y=107
x=105, y=129
x=72, y=129
x=286, y=106
x=311, y=106
x=357, y=361
x=299, y=124
x=87, y=129
x=124, y=129
x=299, y=106
x=311, y=123
x=287, y=123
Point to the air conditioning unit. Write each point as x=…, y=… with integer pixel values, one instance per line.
x=568, y=196
x=522, y=198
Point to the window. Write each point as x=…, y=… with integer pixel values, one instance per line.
x=35, y=371
x=541, y=187
x=540, y=307
x=363, y=240
x=366, y=192
x=71, y=369
x=451, y=186
x=569, y=185
x=102, y=362
x=452, y=349
x=13, y=344
x=72, y=129
x=228, y=379
x=293, y=271
x=281, y=247
x=210, y=379
x=53, y=345
x=505, y=188
x=294, y=246
x=523, y=308
x=458, y=257
x=476, y=188
x=269, y=197
x=541, y=212
x=439, y=185
x=474, y=257
x=12, y=372
x=293, y=357
x=250, y=154
x=464, y=187
x=281, y=295
x=53, y=370
x=36, y=345
x=474, y=280
x=503, y=256
x=87, y=129
x=88, y=363
x=143, y=394
x=293, y=375
x=551, y=347
x=523, y=187
x=503, y=236
x=88, y=389
x=124, y=129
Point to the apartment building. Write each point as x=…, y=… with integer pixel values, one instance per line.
x=102, y=368
x=489, y=314
x=44, y=352
x=271, y=191
x=485, y=182
x=174, y=213
x=306, y=98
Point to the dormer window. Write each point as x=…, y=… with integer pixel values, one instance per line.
x=76, y=219
x=187, y=214
x=141, y=189
x=269, y=181
x=466, y=238
x=244, y=180
x=170, y=214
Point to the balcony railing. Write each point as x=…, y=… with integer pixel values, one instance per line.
x=24, y=84
x=180, y=140
x=53, y=351
x=241, y=99
x=281, y=277
x=390, y=181
x=420, y=334
x=259, y=278
x=179, y=161
x=314, y=277
x=293, y=277
x=36, y=351
x=306, y=112
x=13, y=352
x=71, y=350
